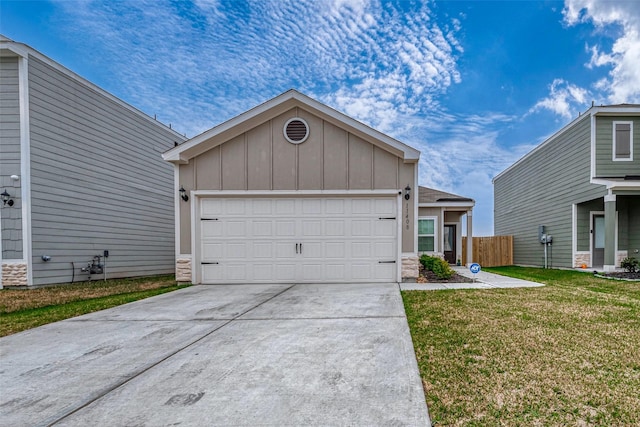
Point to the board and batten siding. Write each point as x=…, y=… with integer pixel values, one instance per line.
x=540, y=189
x=98, y=182
x=262, y=159
x=11, y=216
x=606, y=167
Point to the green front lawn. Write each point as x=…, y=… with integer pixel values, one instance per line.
x=564, y=354
x=22, y=309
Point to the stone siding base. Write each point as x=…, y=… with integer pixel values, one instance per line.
x=620, y=255
x=183, y=269
x=14, y=274
x=582, y=259
x=410, y=268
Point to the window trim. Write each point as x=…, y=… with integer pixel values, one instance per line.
x=435, y=233
x=614, y=154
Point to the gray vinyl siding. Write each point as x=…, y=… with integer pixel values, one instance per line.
x=605, y=166
x=98, y=182
x=11, y=225
x=540, y=190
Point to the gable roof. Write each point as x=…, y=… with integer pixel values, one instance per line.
x=432, y=196
x=279, y=105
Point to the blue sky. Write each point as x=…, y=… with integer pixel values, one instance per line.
x=472, y=85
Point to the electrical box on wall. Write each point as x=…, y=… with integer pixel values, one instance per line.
x=541, y=233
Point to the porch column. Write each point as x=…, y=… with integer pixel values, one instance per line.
x=610, y=232
x=470, y=259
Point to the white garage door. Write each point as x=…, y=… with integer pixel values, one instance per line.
x=297, y=240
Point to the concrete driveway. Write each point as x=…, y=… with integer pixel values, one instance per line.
x=295, y=355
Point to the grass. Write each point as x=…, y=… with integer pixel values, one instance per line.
x=22, y=309
x=564, y=354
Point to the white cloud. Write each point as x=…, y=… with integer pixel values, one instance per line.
x=564, y=99
x=623, y=82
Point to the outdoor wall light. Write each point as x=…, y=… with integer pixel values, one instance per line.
x=6, y=198
x=183, y=194
x=407, y=192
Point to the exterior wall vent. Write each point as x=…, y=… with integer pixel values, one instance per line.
x=296, y=130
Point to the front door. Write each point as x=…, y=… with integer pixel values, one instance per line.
x=450, y=244
x=597, y=241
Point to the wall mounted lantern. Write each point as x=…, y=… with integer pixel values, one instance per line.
x=407, y=192
x=6, y=198
x=183, y=194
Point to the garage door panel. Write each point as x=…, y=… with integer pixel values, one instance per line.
x=311, y=249
x=361, y=271
x=211, y=273
x=234, y=228
x=211, y=207
x=286, y=228
x=335, y=272
x=361, y=206
x=211, y=229
x=360, y=250
x=262, y=207
x=312, y=206
x=235, y=271
x=235, y=207
x=385, y=207
x=263, y=250
x=236, y=250
x=262, y=228
x=284, y=206
x=285, y=272
x=384, y=228
x=335, y=227
x=335, y=207
x=384, y=250
x=285, y=250
x=312, y=227
x=290, y=240
x=212, y=251
x=335, y=250
x=385, y=272
x=361, y=227
x=262, y=271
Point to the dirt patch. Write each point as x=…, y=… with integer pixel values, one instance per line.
x=427, y=276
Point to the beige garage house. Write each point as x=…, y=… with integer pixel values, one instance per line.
x=293, y=191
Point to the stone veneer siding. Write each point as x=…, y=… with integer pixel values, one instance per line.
x=14, y=274
x=410, y=268
x=183, y=270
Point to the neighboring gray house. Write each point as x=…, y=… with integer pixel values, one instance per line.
x=81, y=173
x=581, y=187
x=294, y=191
x=440, y=224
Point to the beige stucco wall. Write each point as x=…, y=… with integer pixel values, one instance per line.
x=330, y=159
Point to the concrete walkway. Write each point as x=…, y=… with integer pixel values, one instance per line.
x=483, y=280
x=241, y=355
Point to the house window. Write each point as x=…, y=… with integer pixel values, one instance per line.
x=427, y=234
x=622, y=141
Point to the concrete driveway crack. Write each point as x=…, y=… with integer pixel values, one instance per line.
x=67, y=412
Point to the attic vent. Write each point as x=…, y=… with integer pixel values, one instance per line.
x=296, y=130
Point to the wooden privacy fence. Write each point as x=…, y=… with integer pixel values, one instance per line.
x=491, y=251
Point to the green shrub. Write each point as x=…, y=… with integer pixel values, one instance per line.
x=442, y=270
x=428, y=261
x=629, y=264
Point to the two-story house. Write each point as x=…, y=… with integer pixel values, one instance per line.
x=574, y=201
x=85, y=192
